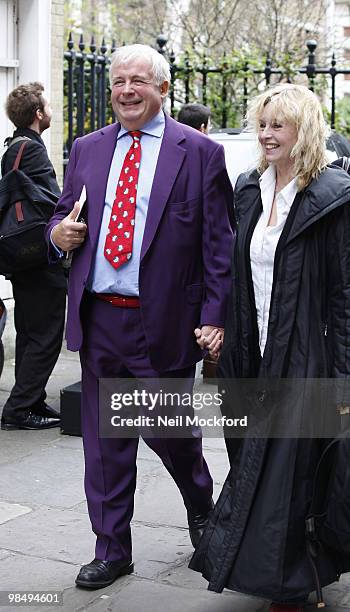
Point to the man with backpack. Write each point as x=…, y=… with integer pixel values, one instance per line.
x=40, y=291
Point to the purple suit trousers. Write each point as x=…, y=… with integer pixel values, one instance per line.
x=110, y=474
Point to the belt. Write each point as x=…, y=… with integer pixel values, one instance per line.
x=123, y=301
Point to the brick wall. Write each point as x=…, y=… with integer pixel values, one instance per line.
x=57, y=43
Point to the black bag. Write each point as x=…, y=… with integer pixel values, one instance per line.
x=330, y=505
x=328, y=521
x=24, y=211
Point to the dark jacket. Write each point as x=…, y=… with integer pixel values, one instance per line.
x=35, y=162
x=35, y=180
x=255, y=540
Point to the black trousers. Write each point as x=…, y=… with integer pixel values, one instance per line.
x=40, y=300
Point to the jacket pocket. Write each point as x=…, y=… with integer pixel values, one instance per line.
x=183, y=206
x=195, y=293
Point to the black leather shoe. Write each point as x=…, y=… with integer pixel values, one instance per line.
x=46, y=411
x=197, y=522
x=30, y=421
x=99, y=574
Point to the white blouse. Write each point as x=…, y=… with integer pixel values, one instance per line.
x=264, y=242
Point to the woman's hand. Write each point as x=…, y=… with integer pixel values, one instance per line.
x=210, y=338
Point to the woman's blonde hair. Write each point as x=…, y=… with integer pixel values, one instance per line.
x=298, y=106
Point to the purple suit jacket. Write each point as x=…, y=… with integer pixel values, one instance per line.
x=185, y=258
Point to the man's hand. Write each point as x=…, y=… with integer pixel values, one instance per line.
x=210, y=338
x=69, y=234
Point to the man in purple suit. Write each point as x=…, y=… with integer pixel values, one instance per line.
x=136, y=296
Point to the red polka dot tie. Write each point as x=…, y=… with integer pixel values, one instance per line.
x=120, y=233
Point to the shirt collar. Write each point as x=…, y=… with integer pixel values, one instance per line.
x=268, y=180
x=154, y=127
x=289, y=192
x=267, y=186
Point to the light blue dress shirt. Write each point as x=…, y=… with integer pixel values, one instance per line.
x=103, y=277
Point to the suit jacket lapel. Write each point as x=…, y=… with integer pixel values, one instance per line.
x=98, y=177
x=171, y=156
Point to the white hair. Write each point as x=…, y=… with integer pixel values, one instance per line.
x=159, y=66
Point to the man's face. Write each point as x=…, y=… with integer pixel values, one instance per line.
x=135, y=97
x=45, y=116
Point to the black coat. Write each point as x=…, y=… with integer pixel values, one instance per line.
x=35, y=163
x=34, y=180
x=255, y=539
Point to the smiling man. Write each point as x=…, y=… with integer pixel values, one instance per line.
x=153, y=267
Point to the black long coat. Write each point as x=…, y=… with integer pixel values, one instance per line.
x=255, y=541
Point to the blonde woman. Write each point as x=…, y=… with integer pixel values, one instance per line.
x=289, y=318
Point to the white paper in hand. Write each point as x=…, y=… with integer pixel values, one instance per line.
x=81, y=201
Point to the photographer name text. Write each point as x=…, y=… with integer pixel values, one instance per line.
x=178, y=421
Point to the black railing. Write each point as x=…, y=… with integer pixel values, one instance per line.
x=225, y=87
x=85, y=90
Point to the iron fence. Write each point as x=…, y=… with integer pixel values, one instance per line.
x=226, y=86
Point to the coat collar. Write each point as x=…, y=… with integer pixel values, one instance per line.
x=323, y=195
x=330, y=191
x=28, y=133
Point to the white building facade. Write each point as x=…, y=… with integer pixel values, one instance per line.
x=338, y=28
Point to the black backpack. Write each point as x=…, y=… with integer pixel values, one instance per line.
x=24, y=211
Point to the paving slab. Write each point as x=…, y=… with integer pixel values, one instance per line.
x=153, y=485
x=209, y=444
x=180, y=576
x=50, y=533
x=19, y=444
x=66, y=536
x=22, y=573
x=183, y=577
x=338, y=593
x=72, y=442
x=51, y=475
x=148, y=596
x=67, y=371
x=156, y=549
x=4, y=554
x=9, y=511
x=7, y=376
x=81, y=600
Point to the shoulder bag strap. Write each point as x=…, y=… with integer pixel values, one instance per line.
x=19, y=156
x=323, y=475
x=18, y=205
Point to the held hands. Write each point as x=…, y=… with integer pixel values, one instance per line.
x=210, y=338
x=69, y=234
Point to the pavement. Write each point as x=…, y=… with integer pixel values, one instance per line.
x=45, y=531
